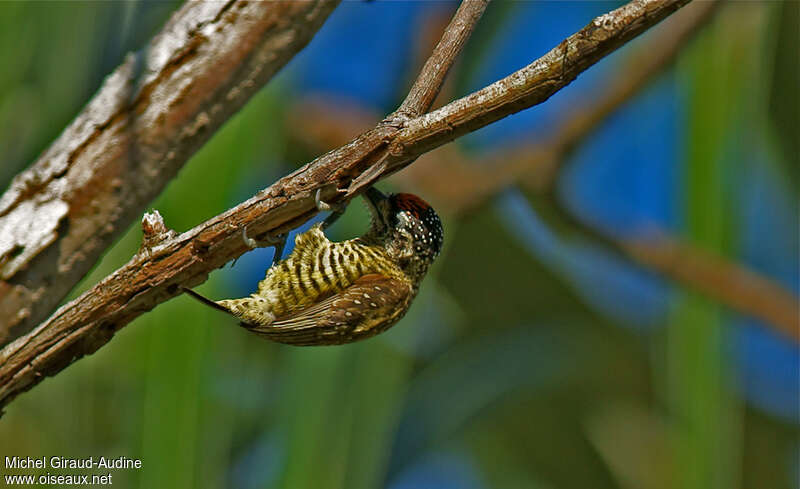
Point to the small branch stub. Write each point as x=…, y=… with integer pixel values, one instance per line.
x=154, y=231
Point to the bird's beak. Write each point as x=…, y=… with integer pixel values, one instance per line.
x=376, y=203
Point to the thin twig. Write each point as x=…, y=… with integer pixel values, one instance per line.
x=422, y=94
x=156, y=273
x=149, y=117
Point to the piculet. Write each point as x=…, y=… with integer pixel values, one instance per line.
x=327, y=293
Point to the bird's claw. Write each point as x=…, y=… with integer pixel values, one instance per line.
x=336, y=210
x=271, y=240
x=324, y=206
x=321, y=204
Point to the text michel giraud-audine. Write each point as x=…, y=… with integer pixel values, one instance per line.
x=72, y=463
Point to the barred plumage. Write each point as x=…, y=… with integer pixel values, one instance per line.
x=331, y=293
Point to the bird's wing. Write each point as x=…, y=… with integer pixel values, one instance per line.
x=368, y=306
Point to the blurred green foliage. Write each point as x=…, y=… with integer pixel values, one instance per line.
x=499, y=363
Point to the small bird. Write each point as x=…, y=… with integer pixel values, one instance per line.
x=327, y=293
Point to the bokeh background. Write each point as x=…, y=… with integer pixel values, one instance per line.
x=535, y=356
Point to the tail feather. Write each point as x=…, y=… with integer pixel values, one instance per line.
x=205, y=300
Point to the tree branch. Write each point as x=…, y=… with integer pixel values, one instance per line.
x=156, y=273
x=151, y=114
x=726, y=282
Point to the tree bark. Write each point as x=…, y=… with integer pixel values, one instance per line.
x=149, y=117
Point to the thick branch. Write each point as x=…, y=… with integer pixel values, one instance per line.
x=144, y=123
x=155, y=274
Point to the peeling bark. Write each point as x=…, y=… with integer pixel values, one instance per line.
x=151, y=114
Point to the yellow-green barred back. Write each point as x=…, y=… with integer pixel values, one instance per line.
x=331, y=293
x=317, y=268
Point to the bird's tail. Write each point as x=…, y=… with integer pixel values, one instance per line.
x=205, y=300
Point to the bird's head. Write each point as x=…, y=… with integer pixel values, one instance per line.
x=407, y=227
